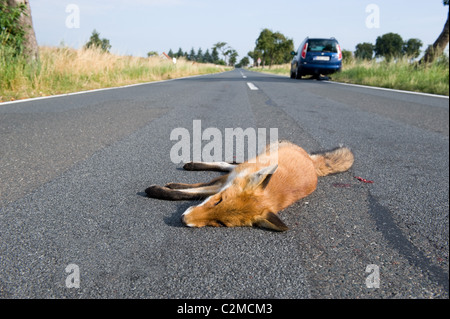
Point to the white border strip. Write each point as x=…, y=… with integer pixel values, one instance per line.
x=390, y=90
x=99, y=90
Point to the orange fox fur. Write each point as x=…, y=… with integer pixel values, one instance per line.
x=252, y=193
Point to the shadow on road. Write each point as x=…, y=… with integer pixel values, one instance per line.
x=175, y=219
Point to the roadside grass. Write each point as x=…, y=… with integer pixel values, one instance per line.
x=65, y=70
x=400, y=75
x=280, y=69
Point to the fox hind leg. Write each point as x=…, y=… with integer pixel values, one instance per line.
x=178, y=191
x=165, y=193
x=209, y=166
x=198, y=191
x=221, y=180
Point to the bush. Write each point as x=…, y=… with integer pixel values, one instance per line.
x=12, y=34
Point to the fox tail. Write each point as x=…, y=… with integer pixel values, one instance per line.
x=335, y=161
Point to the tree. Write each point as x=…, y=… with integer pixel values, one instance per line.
x=223, y=48
x=265, y=44
x=389, y=46
x=233, y=57
x=411, y=48
x=16, y=24
x=96, y=42
x=347, y=56
x=244, y=62
x=255, y=55
x=207, y=57
x=179, y=53
x=200, y=55
x=192, y=56
x=283, y=49
x=152, y=53
x=215, y=55
x=439, y=45
x=364, y=51
x=274, y=47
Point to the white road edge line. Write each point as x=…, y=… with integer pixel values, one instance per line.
x=389, y=90
x=252, y=86
x=374, y=87
x=103, y=89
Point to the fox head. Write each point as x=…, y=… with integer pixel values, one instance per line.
x=241, y=202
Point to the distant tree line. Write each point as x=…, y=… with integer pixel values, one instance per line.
x=389, y=46
x=275, y=48
x=229, y=55
x=198, y=56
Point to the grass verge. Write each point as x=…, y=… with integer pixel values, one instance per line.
x=399, y=75
x=65, y=70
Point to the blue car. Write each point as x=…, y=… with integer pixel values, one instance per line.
x=316, y=57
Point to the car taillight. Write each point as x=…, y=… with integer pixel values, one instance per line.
x=339, y=52
x=305, y=49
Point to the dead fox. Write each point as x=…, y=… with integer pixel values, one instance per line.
x=252, y=193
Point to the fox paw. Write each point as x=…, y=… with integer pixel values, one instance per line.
x=156, y=191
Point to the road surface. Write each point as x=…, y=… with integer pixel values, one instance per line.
x=74, y=221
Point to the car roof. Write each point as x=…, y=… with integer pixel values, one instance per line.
x=322, y=39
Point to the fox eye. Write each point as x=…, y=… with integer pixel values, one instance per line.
x=220, y=201
x=220, y=223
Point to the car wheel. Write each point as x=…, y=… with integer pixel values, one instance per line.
x=298, y=76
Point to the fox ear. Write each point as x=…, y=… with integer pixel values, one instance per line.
x=270, y=221
x=262, y=177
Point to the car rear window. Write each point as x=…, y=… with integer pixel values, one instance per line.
x=322, y=45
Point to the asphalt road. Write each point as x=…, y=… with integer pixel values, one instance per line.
x=73, y=171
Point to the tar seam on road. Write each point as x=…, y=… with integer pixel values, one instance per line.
x=395, y=237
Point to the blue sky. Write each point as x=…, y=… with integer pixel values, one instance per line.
x=135, y=27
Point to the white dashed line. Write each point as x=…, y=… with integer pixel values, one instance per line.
x=252, y=86
x=242, y=74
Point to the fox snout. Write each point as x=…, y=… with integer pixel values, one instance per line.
x=184, y=219
x=196, y=217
